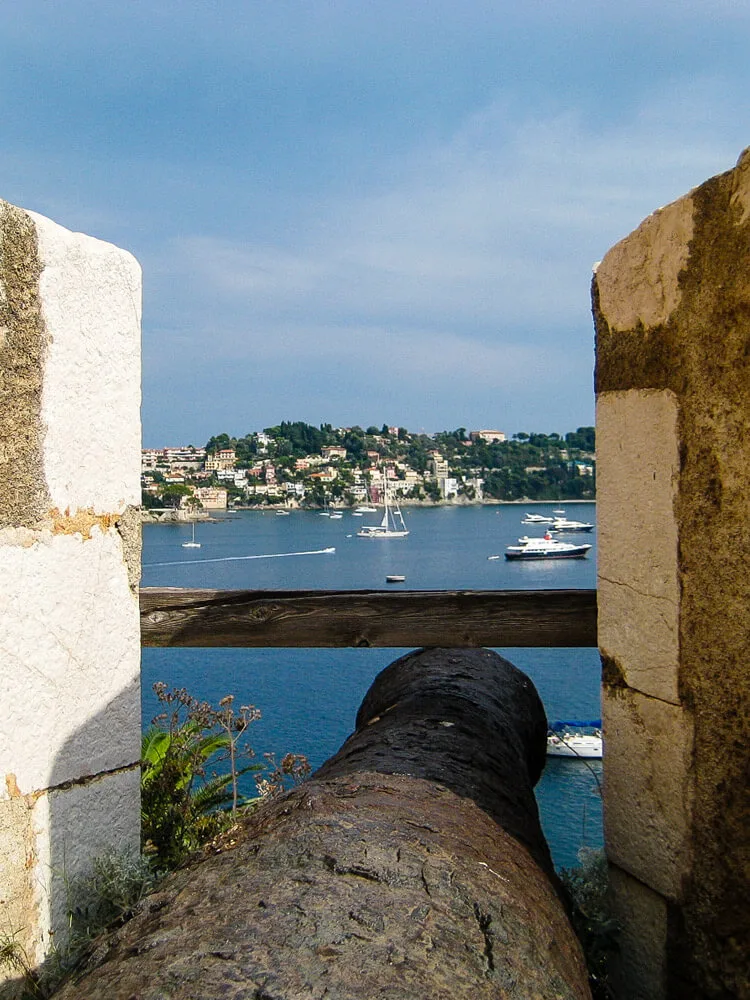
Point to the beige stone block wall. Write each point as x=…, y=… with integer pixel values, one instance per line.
x=638, y=578
x=639, y=967
x=672, y=314
x=69, y=565
x=648, y=802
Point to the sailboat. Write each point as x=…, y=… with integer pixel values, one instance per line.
x=192, y=544
x=392, y=525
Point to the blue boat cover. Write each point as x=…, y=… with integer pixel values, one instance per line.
x=578, y=723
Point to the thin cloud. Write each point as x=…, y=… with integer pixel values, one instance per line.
x=494, y=231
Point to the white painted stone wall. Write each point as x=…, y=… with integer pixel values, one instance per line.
x=69, y=625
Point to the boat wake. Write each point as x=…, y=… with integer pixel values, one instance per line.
x=271, y=555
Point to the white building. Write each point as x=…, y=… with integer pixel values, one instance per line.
x=487, y=436
x=448, y=487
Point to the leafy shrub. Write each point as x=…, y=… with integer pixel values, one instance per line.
x=191, y=762
x=185, y=800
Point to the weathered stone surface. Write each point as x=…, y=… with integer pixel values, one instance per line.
x=366, y=884
x=638, y=967
x=71, y=646
x=86, y=821
x=639, y=279
x=24, y=496
x=637, y=571
x=69, y=544
x=647, y=803
x=677, y=320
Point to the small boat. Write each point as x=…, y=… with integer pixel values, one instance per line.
x=395, y=578
x=564, y=524
x=536, y=519
x=192, y=544
x=365, y=509
x=559, y=513
x=335, y=516
x=568, y=744
x=545, y=548
x=282, y=513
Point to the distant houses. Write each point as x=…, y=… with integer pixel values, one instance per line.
x=299, y=464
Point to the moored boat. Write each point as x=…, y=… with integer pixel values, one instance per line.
x=584, y=745
x=536, y=519
x=392, y=524
x=564, y=524
x=545, y=548
x=192, y=544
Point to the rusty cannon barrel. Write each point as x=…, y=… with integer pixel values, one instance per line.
x=410, y=866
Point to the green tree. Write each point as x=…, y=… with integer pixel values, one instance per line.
x=173, y=493
x=219, y=443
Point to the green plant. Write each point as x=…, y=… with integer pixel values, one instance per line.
x=587, y=886
x=15, y=962
x=117, y=883
x=183, y=805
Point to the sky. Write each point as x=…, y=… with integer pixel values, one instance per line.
x=373, y=211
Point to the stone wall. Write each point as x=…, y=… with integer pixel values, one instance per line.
x=672, y=314
x=69, y=565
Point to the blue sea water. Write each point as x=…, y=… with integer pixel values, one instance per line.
x=309, y=697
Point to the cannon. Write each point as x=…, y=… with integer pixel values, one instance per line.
x=411, y=865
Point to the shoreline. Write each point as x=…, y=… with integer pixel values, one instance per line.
x=181, y=517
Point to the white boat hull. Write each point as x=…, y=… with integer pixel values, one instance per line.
x=377, y=532
x=568, y=745
x=392, y=524
x=575, y=552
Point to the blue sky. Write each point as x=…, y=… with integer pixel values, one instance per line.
x=358, y=212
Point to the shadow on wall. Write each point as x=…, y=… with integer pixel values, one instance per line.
x=87, y=817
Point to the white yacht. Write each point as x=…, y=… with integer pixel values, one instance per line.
x=564, y=524
x=545, y=548
x=536, y=519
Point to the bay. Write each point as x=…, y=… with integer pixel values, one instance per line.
x=309, y=697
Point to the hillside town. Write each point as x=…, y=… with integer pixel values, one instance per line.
x=297, y=465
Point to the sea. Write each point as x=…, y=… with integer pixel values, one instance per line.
x=308, y=698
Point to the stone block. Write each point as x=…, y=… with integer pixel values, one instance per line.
x=638, y=280
x=638, y=574
x=90, y=294
x=639, y=967
x=17, y=855
x=76, y=825
x=648, y=789
x=71, y=666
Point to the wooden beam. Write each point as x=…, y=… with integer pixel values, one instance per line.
x=360, y=618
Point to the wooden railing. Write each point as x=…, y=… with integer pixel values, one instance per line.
x=362, y=618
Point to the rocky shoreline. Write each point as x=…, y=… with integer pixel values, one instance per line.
x=179, y=516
